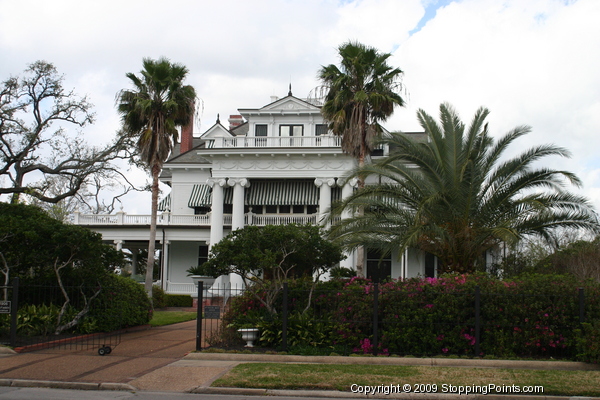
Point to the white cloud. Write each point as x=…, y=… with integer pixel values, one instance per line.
x=530, y=62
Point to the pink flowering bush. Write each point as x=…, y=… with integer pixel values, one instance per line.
x=535, y=316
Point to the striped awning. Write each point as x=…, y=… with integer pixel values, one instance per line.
x=200, y=196
x=165, y=204
x=271, y=193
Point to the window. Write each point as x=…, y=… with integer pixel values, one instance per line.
x=257, y=209
x=286, y=131
x=378, y=268
x=291, y=130
x=298, y=209
x=284, y=209
x=312, y=209
x=227, y=208
x=271, y=209
x=320, y=129
x=201, y=210
x=202, y=254
x=429, y=265
x=260, y=131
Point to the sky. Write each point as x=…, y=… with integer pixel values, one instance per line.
x=530, y=62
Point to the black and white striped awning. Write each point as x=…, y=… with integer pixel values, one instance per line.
x=200, y=197
x=285, y=192
x=165, y=204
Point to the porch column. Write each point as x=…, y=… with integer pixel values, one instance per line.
x=216, y=214
x=237, y=215
x=118, y=245
x=347, y=190
x=165, y=273
x=324, y=185
x=237, y=222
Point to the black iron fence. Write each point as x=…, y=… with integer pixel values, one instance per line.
x=35, y=317
x=372, y=320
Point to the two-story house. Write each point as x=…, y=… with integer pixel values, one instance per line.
x=272, y=165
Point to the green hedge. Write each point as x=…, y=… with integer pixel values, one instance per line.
x=533, y=316
x=122, y=303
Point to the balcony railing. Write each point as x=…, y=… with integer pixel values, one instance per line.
x=276, y=141
x=122, y=218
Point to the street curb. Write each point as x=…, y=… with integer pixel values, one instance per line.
x=431, y=362
x=24, y=383
x=350, y=395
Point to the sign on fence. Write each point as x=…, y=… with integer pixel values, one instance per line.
x=4, y=307
x=212, y=312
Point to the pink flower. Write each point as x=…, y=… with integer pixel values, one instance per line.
x=428, y=305
x=445, y=350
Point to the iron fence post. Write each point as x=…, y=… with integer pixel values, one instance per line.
x=376, y=319
x=284, y=317
x=581, y=306
x=14, y=308
x=477, y=321
x=199, y=316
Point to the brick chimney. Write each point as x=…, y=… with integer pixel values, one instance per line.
x=187, y=138
x=235, y=121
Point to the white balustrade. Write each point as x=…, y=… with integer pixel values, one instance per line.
x=276, y=141
x=191, y=220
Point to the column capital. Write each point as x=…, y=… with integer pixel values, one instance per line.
x=327, y=181
x=243, y=182
x=216, y=181
x=352, y=182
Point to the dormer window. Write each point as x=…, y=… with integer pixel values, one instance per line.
x=291, y=130
x=320, y=129
x=260, y=130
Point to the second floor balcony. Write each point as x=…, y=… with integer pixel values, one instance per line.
x=168, y=219
x=274, y=141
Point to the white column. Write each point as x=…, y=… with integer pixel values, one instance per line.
x=216, y=214
x=347, y=190
x=134, y=254
x=324, y=185
x=237, y=215
x=118, y=245
x=165, y=264
x=237, y=222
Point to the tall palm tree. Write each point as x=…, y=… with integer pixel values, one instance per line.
x=455, y=198
x=151, y=112
x=360, y=94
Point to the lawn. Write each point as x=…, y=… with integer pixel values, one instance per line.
x=161, y=318
x=346, y=377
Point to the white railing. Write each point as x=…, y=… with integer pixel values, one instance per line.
x=262, y=220
x=122, y=218
x=180, y=288
x=275, y=141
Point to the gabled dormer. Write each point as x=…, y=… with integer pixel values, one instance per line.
x=289, y=116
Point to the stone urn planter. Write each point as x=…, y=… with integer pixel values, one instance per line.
x=208, y=281
x=249, y=335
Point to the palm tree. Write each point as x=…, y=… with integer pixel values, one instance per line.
x=151, y=112
x=455, y=198
x=360, y=94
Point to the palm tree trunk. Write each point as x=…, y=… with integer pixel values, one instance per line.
x=152, y=239
x=360, y=250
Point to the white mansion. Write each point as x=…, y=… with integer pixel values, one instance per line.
x=274, y=165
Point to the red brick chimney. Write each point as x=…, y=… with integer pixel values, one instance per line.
x=187, y=139
x=235, y=121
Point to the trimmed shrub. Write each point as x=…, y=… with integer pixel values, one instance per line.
x=159, y=297
x=533, y=316
x=122, y=303
x=178, y=300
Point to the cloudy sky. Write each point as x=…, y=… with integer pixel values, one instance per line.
x=532, y=62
